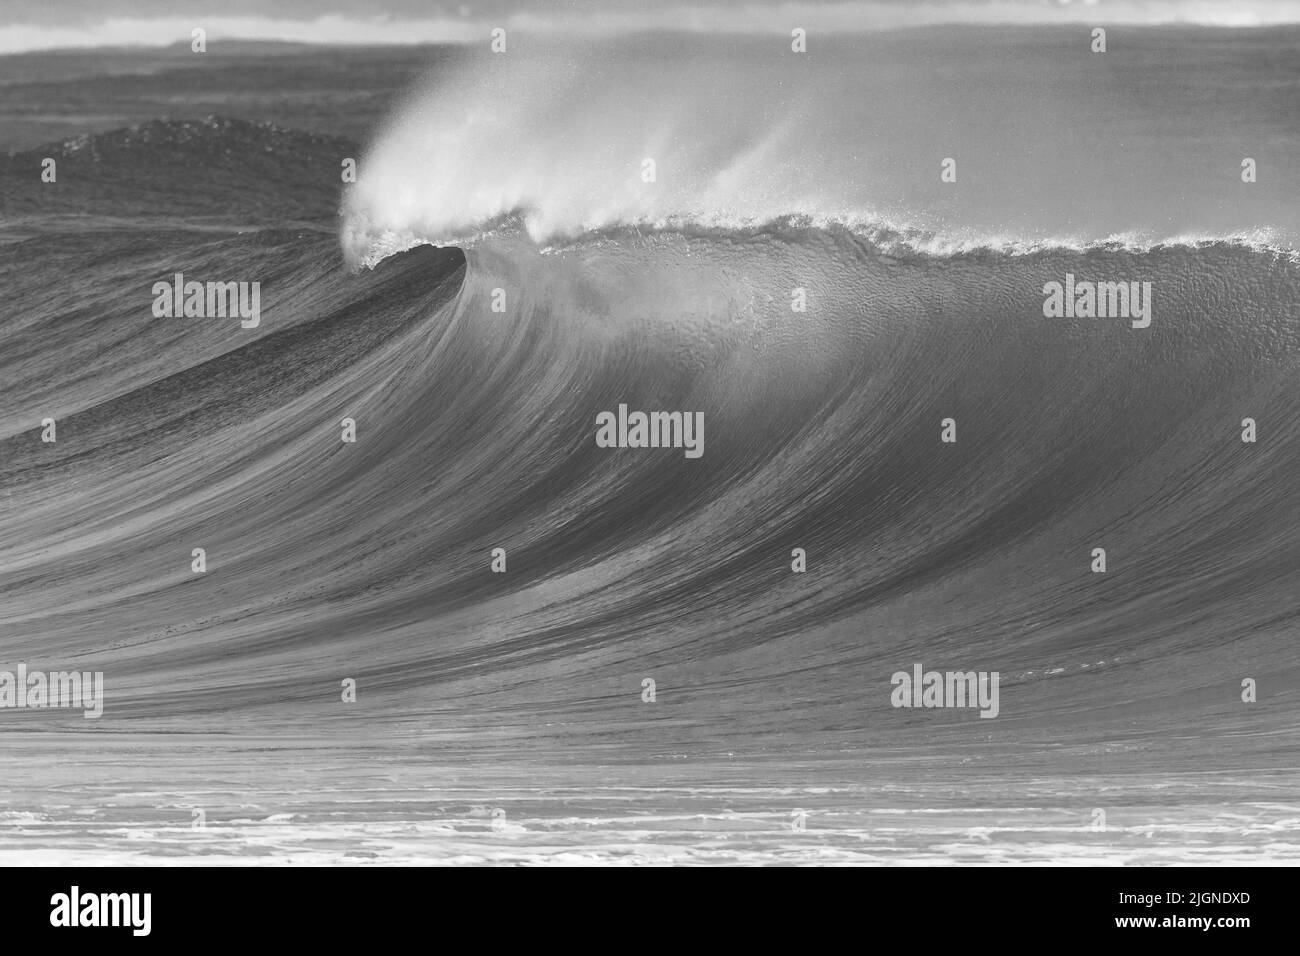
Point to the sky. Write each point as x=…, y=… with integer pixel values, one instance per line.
x=53, y=24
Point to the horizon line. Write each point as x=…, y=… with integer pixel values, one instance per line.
x=847, y=17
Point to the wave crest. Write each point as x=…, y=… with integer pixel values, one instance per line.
x=737, y=134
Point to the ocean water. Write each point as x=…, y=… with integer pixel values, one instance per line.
x=522, y=691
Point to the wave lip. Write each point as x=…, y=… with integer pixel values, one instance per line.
x=364, y=247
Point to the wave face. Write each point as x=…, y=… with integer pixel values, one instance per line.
x=476, y=431
x=823, y=433
x=778, y=175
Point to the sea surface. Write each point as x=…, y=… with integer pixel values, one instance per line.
x=502, y=272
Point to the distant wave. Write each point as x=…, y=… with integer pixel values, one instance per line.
x=107, y=29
